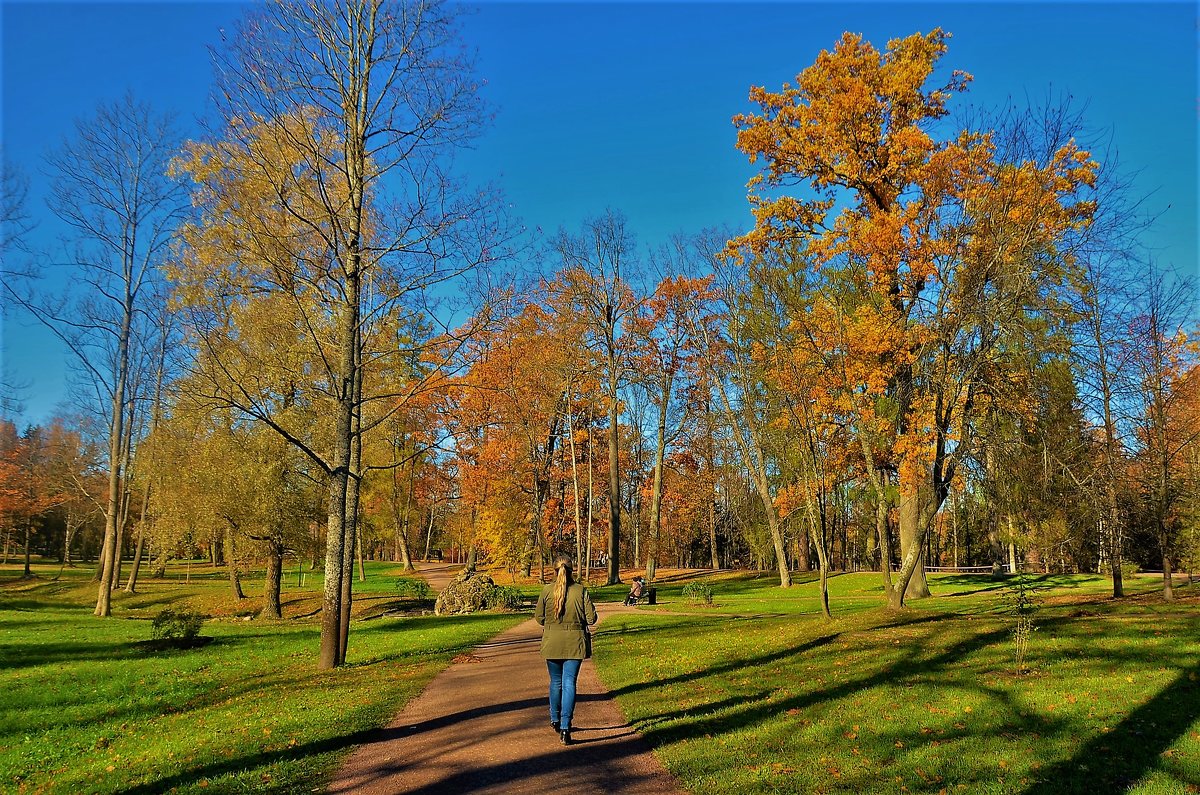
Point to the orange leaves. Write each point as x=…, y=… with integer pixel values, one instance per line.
x=855, y=117
x=919, y=253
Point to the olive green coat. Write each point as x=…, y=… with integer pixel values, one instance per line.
x=566, y=638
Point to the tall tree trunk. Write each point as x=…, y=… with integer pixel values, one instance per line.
x=353, y=490
x=139, y=549
x=954, y=520
x=712, y=533
x=580, y=561
x=335, y=550
x=429, y=531
x=912, y=541
x=69, y=533
x=1108, y=469
x=591, y=496
x=358, y=545
x=231, y=563
x=401, y=519
x=28, y=532
x=925, y=509
x=338, y=491
x=115, y=448
x=541, y=493
x=1168, y=589
x=656, y=489
x=816, y=526
x=116, y=572
x=273, y=583
x=614, y=485
x=751, y=452
x=155, y=415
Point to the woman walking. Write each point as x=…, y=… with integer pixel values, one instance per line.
x=565, y=611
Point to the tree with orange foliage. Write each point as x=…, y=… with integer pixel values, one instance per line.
x=515, y=393
x=663, y=353
x=928, y=253
x=27, y=486
x=1186, y=426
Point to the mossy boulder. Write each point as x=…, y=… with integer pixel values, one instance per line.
x=469, y=592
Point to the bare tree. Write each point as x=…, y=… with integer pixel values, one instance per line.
x=109, y=185
x=595, y=277
x=15, y=221
x=15, y=225
x=1159, y=352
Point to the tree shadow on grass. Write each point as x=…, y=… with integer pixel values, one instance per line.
x=1116, y=760
x=1110, y=763
x=36, y=606
x=29, y=655
x=763, y=710
x=732, y=665
x=144, y=601
x=243, y=764
x=20, y=655
x=975, y=584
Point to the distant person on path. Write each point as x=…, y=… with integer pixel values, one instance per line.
x=565, y=611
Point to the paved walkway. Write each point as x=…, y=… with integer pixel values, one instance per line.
x=483, y=725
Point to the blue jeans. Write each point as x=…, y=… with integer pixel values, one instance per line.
x=563, y=674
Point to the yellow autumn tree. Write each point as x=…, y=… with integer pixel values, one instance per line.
x=928, y=254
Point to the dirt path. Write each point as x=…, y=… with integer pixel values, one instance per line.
x=483, y=725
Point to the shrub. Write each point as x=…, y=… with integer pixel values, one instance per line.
x=698, y=592
x=413, y=588
x=504, y=596
x=176, y=624
x=1128, y=570
x=1021, y=602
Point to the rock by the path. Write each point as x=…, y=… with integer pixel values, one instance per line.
x=469, y=592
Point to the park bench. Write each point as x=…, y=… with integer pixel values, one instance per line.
x=649, y=596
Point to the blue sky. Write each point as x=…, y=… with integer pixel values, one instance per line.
x=628, y=105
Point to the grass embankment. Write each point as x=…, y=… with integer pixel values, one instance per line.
x=86, y=707
x=757, y=693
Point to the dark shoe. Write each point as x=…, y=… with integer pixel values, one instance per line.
x=554, y=725
x=565, y=736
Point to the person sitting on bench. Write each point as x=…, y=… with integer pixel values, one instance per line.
x=636, y=591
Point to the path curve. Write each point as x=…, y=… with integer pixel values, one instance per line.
x=483, y=725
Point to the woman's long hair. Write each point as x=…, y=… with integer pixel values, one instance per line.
x=562, y=581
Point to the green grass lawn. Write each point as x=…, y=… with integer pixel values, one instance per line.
x=757, y=693
x=85, y=707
